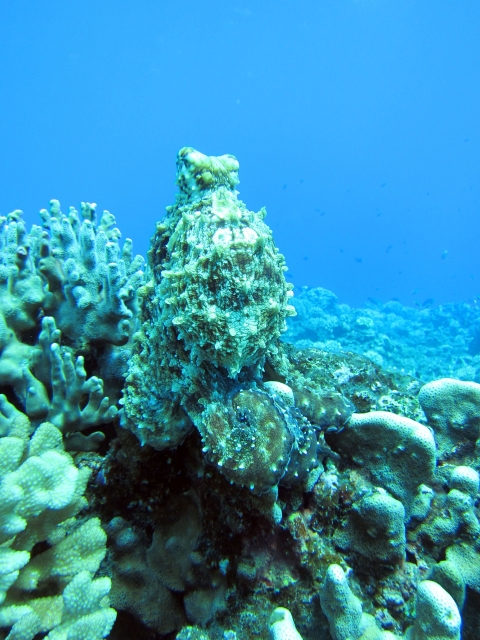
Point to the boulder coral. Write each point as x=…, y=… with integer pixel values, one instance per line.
x=375, y=528
x=452, y=408
x=398, y=452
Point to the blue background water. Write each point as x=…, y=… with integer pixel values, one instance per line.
x=355, y=122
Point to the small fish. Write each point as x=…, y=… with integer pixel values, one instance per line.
x=415, y=291
x=427, y=303
x=358, y=259
x=100, y=478
x=390, y=246
x=384, y=184
x=284, y=186
x=444, y=255
x=305, y=257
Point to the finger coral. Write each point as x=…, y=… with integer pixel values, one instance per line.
x=42, y=493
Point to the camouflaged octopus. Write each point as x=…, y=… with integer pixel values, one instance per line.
x=213, y=310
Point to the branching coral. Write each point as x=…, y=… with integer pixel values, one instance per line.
x=91, y=283
x=41, y=492
x=73, y=271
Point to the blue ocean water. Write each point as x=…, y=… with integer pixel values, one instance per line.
x=355, y=123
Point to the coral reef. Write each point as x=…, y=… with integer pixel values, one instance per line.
x=399, y=452
x=451, y=407
x=66, y=283
x=248, y=487
x=438, y=617
x=282, y=626
x=375, y=528
x=137, y=586
x=42, y=494
x=91, y=285
x=425, y=341
x=74, y=272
